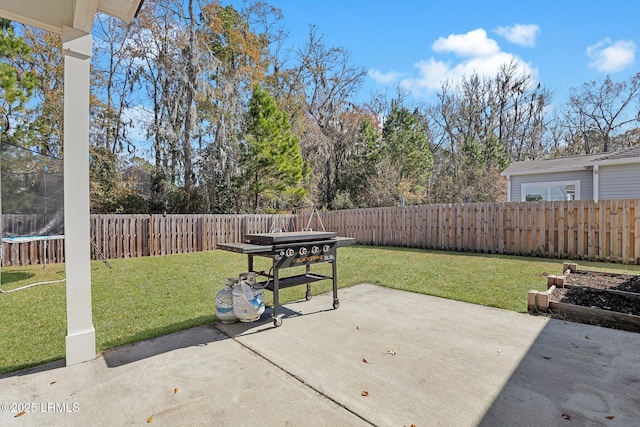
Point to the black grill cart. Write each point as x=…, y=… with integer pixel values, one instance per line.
x=292, y=249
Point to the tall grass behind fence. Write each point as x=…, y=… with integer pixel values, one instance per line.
x=599, y=231
x=607, y=230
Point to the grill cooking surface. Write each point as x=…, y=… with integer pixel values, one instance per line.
x=289, y=237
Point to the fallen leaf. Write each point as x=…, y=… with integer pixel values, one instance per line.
x=365, y=393
x=53, y=382
x=587, y=337
x=175, y=390
x=19, y=414
x=150, y=419
x=358, y=327
x=566, y=416
x=609, y=417
x=364, y=360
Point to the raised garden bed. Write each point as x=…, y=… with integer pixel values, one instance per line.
x=605, y=299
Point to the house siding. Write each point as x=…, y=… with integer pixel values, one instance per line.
x=585, y=177
x=619, y=182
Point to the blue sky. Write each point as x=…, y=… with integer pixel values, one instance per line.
x=417, y=44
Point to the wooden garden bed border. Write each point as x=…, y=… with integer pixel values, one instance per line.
x=541, y=301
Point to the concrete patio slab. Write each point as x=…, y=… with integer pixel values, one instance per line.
x=385, y=357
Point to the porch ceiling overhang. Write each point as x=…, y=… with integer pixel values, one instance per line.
x=54, y=15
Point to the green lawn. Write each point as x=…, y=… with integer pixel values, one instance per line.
x=142, y=298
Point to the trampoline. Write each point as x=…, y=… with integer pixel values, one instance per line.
x=27, y=239
x=31, y=205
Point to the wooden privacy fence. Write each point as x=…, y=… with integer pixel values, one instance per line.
x=578, y=230
x=127, y=236
x=607, y=230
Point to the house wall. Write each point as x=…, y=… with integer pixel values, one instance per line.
x=585, y=177
x=619, y=182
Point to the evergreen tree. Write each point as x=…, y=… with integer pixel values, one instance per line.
x=407, y=150
x=273, y=164
x=358, y=167
x=16, y=86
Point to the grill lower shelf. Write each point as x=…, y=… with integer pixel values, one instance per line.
x=286, y=282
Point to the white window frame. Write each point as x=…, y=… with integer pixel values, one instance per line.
x=549, y=184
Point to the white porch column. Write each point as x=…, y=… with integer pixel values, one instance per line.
x=81, y=336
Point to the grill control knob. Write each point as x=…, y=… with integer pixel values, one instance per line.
x=303, y=251
x=326, y=248
x=315, y=250
x=289, y=252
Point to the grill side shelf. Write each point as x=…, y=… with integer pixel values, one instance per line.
x=245, y=248
x=344, y=241
x=301, y=279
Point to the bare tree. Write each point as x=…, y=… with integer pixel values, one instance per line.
x=114, y=84
x=330, y=79
x=598, y=111
x=479, y=125
x=156, y=51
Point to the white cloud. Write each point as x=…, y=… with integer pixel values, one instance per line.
x=384, y=78
x=432, y=73
x=523, y=35
x=480, y=55
x=472, y=44
x=610, y=57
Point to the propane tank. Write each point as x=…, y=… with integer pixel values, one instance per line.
x=248, y=302
x=224, y=302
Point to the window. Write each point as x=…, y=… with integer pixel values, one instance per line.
x=560, y=190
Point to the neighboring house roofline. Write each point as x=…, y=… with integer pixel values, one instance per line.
x=556, y=164
x=613, y=162
x=622, y=157
x=626, y=156
x=544, y=171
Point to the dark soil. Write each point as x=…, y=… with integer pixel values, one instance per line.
x=594, y=290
